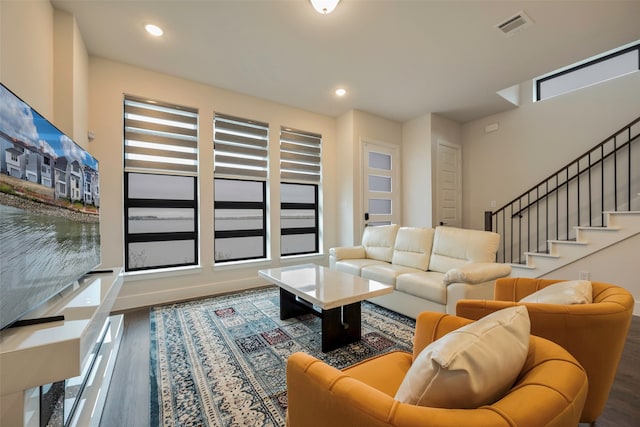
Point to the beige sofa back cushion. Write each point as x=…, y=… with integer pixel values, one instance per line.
x=454, y=247
x=378, y=241
x=413, y=247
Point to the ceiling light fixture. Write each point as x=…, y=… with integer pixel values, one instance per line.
x=154, y=30
x=324, y=6
x=341, y=92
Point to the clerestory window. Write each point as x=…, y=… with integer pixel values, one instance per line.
x=595, y=70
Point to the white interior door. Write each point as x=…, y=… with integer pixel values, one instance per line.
x=381, y=184
x=449, y=185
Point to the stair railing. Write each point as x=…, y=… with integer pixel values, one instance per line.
x=606, y=178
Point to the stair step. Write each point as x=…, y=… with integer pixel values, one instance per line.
x=525, y=266
x=623, y=212
x=568, y=242
x=595, y=228
x=541, y=254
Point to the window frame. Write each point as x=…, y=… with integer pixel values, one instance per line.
x=231, y=234
x=180, y=136
x=289, y=231
x=301, y=164
x=160, y=236
x=241, y=154
x=571, y=69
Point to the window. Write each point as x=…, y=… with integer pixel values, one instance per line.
x=608, y=66
x=240, y=189
x=161, y=187
x=300, y=172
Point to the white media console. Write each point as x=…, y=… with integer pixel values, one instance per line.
x=79, y=350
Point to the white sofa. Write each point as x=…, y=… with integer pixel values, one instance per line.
x=430, y=269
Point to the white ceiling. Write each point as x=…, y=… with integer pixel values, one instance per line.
x=397, y=59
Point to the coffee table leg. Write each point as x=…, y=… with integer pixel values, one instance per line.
x=289, y=307
x=340, y=326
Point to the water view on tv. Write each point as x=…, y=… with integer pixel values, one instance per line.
x=49, y=209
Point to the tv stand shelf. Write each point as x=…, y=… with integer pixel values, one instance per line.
x=34, y=355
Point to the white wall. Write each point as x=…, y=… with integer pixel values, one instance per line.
x=71, y=78
x=416, y=172
x=617, y=265
x=43, y=60
x=345, y=171
x=26, y=52
x=108, y=82
x=537, y=139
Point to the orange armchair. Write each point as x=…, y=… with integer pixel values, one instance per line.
x=593, y=333
x=550, y=390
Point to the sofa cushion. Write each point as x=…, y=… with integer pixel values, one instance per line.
x=378, y=241
x=471, y=366
x=413, y=247
x=565, y=293
x=354, y=266
x=384, y=273
x=454, y=247
x=423, y=284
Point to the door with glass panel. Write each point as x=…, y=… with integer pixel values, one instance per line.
x=381, y=184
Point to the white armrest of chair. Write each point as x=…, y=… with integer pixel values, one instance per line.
x=348, y=252
x=478, y=272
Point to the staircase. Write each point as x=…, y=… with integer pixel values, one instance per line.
x=585, y=207
x=619, y=226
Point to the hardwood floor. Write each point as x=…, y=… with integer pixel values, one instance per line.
x=128, y=397
x=623, y=407
x=127, y=401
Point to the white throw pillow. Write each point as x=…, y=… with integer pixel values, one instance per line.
x=472, y=366
x=565, y=293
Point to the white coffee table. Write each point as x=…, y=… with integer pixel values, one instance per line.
x=332, y=295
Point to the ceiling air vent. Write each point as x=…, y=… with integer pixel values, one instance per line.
x=512, y=25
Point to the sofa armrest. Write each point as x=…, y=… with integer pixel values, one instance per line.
x=348, y=252
x=477, y=272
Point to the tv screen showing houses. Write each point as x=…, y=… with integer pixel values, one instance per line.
x=49, y=209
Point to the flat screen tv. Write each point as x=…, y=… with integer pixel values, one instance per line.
x=49, y=210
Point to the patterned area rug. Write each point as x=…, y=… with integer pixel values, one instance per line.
x=221, y=361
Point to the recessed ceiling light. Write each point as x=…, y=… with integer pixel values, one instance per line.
x=341, y=92
x=154, y=30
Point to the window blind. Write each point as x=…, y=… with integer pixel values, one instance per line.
x=160, y=137
x=300, y=156
x=240, y=148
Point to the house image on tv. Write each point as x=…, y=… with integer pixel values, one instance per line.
x=69, y=179
x=46, y=170
x=23, y=161
x=91, y=195
x=74, y=175
x=12, y=156
x=60, y=178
